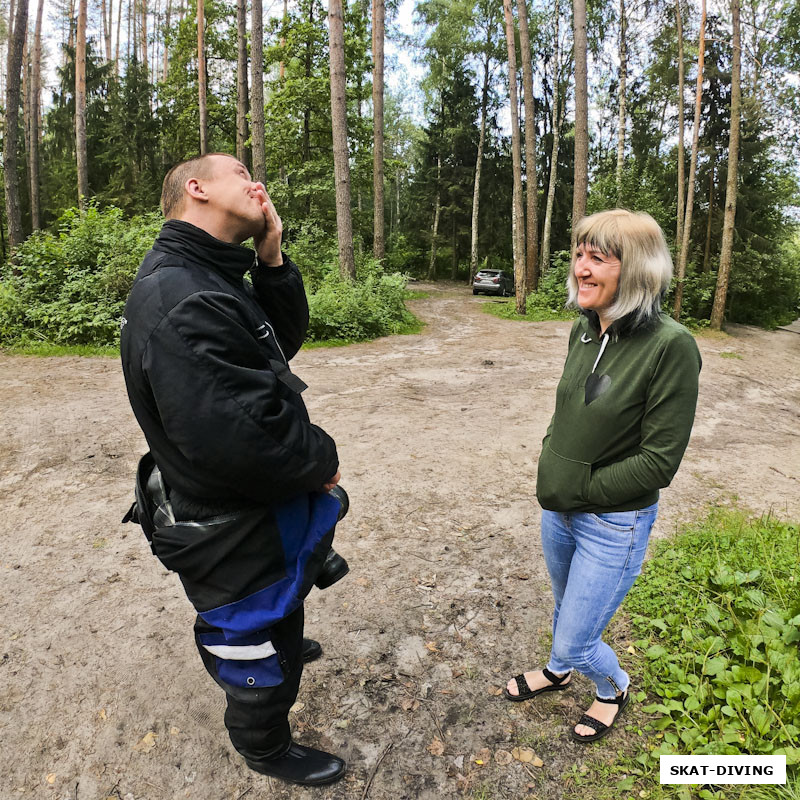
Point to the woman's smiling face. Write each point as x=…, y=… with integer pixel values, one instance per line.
x=597, y=274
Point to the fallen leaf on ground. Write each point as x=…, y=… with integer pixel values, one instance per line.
x=409, y=704
x=631, y=650
x=102, y=713
x=173, y=731
x=432, y=647
x=436, y=747
x=495, y=691
x=147, y=742
x=297, y=707
x=537, y=762
x=483, y=756
x=503, y=757
x=51, y=778
x=523, y=754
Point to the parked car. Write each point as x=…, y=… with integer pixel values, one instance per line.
x=493, y=281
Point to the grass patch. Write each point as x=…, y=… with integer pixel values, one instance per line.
x=535, y=312
x=730, y=354
x=48, y=350
x=326, y=343
x=415, y=294
x=715, y=619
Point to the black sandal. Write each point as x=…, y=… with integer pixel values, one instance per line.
x=525, y=691
x=600, y=730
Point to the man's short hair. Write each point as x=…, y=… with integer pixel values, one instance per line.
x=172, y=190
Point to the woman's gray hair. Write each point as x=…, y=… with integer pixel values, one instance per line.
x=637, y=240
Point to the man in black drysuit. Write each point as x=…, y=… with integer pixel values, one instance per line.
x=234, y=493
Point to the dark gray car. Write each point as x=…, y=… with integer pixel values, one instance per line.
x=493, y=281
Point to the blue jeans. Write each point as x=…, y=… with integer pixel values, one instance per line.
x=593, y=560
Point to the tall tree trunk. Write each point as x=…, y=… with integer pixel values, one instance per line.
x=282, y=75
x=241, y=81
x=154, y=44
x=36, y=104
x=165, y=60
x=116, y=49
x=726, y=250
x=532, y=180
x=556, y=126
x=581, y=181
x=143, y=33
x=201, y=75
x=307, y=108
x=25, y=88
x=623, y=80
x=437, y=210
x=454, y=245
x=106, y=27
x=341, y=157
x=71, y=37
x=257, y=132
x=476, y=190
x=517, y=217
x=378, y=11
x=80, y=106
x=282, y=67
x=681, y=126
x=687, y=223
x=709, y=220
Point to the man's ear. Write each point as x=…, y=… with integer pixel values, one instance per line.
x=195, y=190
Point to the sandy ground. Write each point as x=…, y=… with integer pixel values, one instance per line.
x=102, y=693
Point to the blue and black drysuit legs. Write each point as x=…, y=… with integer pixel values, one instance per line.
x=247, y=573
x=257, y=718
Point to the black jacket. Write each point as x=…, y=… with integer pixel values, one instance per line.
x=205, y=358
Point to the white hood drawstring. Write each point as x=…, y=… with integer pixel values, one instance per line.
x=602, y=348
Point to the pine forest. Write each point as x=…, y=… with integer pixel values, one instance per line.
x=426, y=140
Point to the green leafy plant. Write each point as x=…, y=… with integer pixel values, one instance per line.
x=722, y=653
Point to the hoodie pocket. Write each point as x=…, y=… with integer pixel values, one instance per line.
x=562, y=483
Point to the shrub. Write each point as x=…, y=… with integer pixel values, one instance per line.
x=70, y=287
x=371, y=307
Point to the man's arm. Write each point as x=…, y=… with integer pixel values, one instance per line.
x=280, y=292
x=277, y=282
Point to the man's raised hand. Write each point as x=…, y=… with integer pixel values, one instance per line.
x=268, y=244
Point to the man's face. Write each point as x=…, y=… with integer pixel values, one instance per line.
x=233, y=199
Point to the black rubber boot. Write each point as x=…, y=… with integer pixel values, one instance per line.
x=334, y=568
x=312, y=650
x=303, y=765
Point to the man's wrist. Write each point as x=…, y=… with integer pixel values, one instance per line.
x=271, y=259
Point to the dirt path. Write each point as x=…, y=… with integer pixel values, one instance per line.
x=101, y=690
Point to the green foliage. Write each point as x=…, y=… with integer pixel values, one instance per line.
x=371, y=307
x=722, y=652
x=70, y=287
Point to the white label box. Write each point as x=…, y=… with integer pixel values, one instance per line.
x=720, y=770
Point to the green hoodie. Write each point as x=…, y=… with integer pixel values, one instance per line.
x=615, y=441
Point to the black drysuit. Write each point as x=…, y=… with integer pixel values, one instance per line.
x=244, y=523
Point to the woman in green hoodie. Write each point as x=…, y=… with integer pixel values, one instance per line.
x=624, y=410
